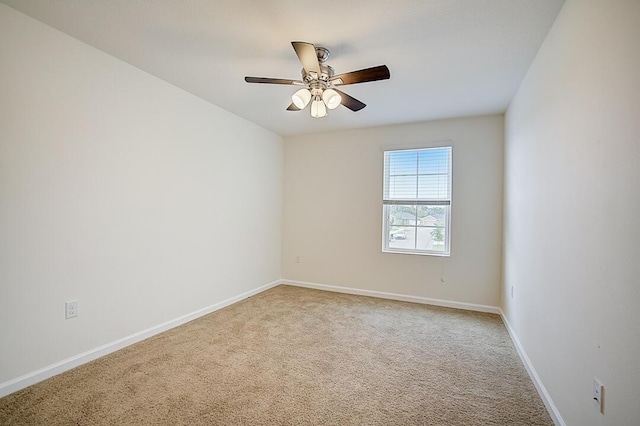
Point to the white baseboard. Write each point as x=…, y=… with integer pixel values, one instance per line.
x=394, y=296
x=44, y=373
x=542, y=391
x=60, y=367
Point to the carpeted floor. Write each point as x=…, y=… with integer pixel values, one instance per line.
x=294, y=356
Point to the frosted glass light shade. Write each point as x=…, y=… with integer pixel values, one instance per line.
x=318, y=110
x=301, y=98
x=331, y=98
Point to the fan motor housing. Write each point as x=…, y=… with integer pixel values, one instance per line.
x=326, y=72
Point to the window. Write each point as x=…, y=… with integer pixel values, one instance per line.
x=417, y=201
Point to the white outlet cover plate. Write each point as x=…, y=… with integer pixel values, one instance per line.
x=597, y=394
x=71, y=309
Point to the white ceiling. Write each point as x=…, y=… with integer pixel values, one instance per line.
x=447, y=58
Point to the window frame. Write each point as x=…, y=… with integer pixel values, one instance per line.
x=386, y=203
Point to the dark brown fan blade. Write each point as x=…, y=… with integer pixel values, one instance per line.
x=381, y=72
x=307, y=54
x=350, y=102
x=293, y=107
x=272, y=80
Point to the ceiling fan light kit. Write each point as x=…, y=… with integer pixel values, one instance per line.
x=331, y=98
x=301, y=98
x=320, y=82
x=318, y=109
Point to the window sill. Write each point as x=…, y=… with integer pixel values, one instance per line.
x=419, y=253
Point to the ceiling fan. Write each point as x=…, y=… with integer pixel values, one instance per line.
x=319, y=81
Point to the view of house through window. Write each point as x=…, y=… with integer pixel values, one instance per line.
x=417, y=201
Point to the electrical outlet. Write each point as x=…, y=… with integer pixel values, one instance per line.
x=71, y=309
x=512, y=292
x=597, y=394
x=297, y=259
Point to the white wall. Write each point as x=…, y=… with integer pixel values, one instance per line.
x=333, y=211
x=572, y=211
x=120, y=190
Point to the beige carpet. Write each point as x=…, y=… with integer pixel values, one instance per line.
x=293, y=356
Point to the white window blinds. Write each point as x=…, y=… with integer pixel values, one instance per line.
x=422, y=175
